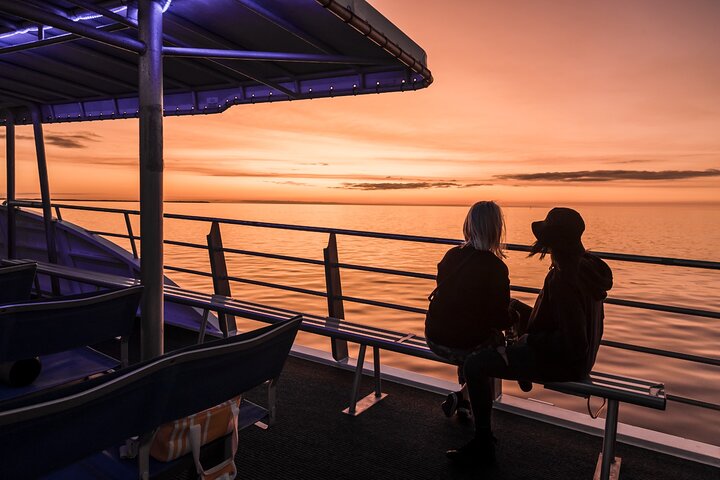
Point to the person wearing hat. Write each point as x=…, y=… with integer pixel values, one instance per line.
x=563, y=330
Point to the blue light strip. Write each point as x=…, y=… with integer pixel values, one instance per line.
x=79, y=18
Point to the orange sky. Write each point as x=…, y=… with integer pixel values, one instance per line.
x=534, y=102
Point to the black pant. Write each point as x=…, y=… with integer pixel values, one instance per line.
x=484, y=365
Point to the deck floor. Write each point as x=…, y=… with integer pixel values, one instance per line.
x=405, y=437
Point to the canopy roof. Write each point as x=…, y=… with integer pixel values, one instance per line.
x=280, y=49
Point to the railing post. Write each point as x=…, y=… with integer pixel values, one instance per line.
x=221, y=284
x=45, y=192
x=334, y=295
x=130, y=234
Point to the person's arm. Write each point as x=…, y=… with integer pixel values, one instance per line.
x=499, y=301
x=570, y=337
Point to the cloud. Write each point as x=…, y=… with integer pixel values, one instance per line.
x=611, y=175
x=398, y=186
x=74, y=140
x=290, y=182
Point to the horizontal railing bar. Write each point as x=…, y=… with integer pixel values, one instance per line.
x=111, y=234
x=392, y=306
x=692, y=401
x=34, y=204
x=663, y=308
x=678, y=262
x=387, y=271
x=188, y=270
x=278, y=286
x=186, y=244
x=273, y=256
x=663, y=353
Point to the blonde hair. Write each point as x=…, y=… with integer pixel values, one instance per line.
x=484, y=228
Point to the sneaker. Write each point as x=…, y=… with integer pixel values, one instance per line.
x=464, y=410
x=479, y=451
x=450, y=405
x=525, y=385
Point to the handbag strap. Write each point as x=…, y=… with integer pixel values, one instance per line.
x=452, y=274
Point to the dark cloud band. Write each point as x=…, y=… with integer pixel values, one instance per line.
x=611, y=175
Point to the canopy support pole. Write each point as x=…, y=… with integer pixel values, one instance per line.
x=151, y=176
x=45, y=192
x=10, y=177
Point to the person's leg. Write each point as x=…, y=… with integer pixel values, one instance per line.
x=480, y=369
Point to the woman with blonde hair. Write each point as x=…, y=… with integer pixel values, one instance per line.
x=469, y=307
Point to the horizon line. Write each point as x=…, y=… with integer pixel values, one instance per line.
x=304, y=202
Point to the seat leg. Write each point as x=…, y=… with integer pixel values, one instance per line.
x=376, y=372
x=609, y=465
x=272, y=399
x=351, y=410
x=358, y=406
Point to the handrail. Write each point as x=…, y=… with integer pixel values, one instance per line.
x=532, y=290
x=623, y=257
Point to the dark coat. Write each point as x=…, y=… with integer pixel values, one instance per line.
x=566, y=324
x=470, y=302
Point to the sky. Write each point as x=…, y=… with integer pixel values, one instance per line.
x=534, y=102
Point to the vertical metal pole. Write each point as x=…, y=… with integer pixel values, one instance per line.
x=334, y=295
x=10, y=168
x=608, y=452
x=221, y=284
x=151, y=176
x=45, y=192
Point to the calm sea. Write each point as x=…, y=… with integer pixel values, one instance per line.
x=691, y=232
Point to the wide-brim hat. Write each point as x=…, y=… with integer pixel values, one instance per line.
x=562, y=229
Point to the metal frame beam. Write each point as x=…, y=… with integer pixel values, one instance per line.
x=214, y=38
x=56, y=79
x=65, y=37
x=4, y=81
x=273, y=18
x=265, y=56
x=27, y=12
x=109, y=14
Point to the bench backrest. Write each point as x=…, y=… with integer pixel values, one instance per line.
x=46, y=431
x=16, y=282
x=40, y=328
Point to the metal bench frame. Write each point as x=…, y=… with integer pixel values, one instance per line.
x=613, y=388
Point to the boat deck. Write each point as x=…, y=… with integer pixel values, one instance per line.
x=405, y=437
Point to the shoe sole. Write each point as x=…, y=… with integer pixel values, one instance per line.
x=449, y=406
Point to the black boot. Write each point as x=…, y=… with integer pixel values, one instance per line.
x=525, y=385
x=479, y=451
x=450, y=405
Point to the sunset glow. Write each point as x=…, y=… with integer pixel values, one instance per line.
x=534, y=102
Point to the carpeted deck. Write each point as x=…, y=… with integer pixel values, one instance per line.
x=405, y=437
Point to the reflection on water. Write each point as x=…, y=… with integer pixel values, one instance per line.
x=672, y=231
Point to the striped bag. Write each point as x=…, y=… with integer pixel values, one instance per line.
x=175, y=439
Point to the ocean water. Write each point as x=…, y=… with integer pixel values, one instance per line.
x=681, y=231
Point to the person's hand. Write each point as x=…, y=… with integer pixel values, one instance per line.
x=522, y=340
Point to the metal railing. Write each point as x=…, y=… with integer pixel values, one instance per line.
x=333, y=268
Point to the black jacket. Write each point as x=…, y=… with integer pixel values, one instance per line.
x=566, y=324
x=470, y=302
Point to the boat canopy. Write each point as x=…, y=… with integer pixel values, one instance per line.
x=80, y=60
x=77, y=60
